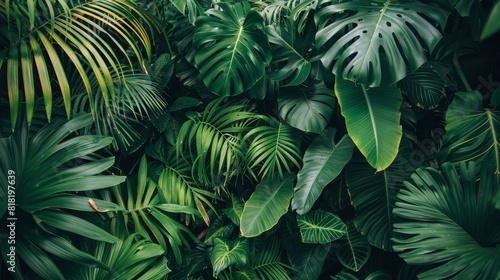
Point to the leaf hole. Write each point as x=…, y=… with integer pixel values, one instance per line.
x=388, y=24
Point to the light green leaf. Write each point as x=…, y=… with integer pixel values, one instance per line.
x=266, y=205
x=354, y=250
x=226, y=253
x=355, y=41
x=231, y=48
x=320, y=227
x=372, y=118
x=472, y=132
x=450, y=222
x=308, y=107
x=323, y=162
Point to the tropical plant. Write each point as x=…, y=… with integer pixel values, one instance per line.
x=93, y=35
x=289, y=139
x=45, y=174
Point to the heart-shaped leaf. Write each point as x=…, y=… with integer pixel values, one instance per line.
x=320, y=227
x=226, y=253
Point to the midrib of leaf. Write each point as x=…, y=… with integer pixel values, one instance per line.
x=295, y=51
x=351, y=247
x=263, y=207
x=372, y=119
x=382, y=13
x=320, y=227
x=495, y=141
x=233, y=53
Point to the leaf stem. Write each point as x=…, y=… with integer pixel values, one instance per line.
x=460, y=73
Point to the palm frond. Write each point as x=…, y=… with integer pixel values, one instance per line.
x=273, y=148
x=94, y=33
x=214, y=140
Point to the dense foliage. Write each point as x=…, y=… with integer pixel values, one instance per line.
x=274, y=139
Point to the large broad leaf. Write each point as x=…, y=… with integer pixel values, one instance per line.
x=354, y=250
x=307, y=107
x=231, y=47
x=320, y=227
x=307, y=259
x=266, y=205
x=374, y=195
x=425, y=87
x=372, y=118
x=403, y=31
x=472, y=132
x=226, y=253
x=290, y=53
x=451, y=222
x=323, y=162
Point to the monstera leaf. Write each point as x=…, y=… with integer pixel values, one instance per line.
x=320, y=227
x=472, y=132
x=290, y=53
x=266, y=205
x=231, y=48
x=450, y=222
x=374, y=195
x=375, y=27
x=372, y=119
x=307, y=107
x=323, y=162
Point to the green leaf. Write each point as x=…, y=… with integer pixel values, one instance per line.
x=472, y=132
x=132, y=257
x=354, y=250
x=307, y=259
x=320, y=227
x=231, y=48
x=450, y=222
x=73, y=224
x=491, y=26
x=290, y=53
x=265, y=261
x=373, y=196
x=226, y=253
x=424, y=87
x=308, y=107
x=266, y=205
x=273, y=149
x=184, y=102
x=323, y=162
x=372, y=118
x=235, y=210
x=355, y=41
